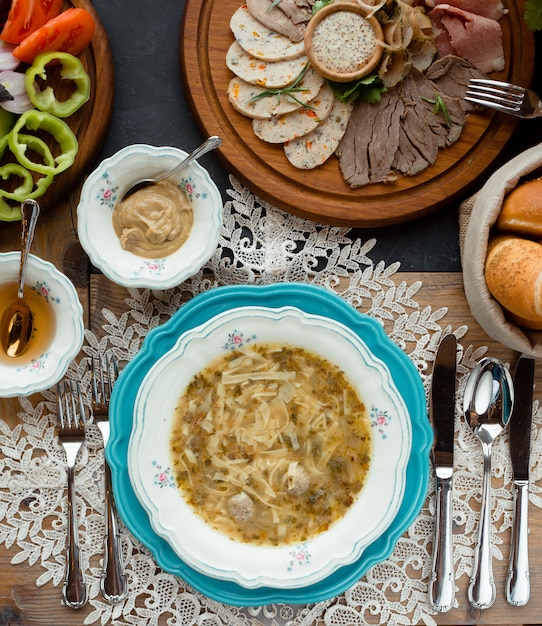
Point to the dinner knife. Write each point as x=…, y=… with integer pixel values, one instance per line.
x=518, y=587
x=442, y=417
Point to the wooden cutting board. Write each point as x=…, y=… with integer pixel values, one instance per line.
x=90, y=123
x=321, y=194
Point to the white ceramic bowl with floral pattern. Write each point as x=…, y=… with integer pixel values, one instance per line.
x=43, y=364
x=292, y=565
x=110, y=180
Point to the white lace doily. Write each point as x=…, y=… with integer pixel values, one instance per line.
x=259, y=244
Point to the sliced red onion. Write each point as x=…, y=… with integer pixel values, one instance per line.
x=7, y=60
x=14, y=83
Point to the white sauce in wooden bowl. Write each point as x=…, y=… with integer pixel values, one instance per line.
x=342, y=43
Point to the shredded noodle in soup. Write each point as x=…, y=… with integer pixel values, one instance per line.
x=270, y=444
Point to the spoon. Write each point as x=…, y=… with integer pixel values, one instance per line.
x=209, y=144
x=487, y=405
x=17, y=320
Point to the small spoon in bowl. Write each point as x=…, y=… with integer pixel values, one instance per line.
x=487, y=406
x=17, y=320
x=209, y=144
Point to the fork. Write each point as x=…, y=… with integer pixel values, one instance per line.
x=71, y=434
x=504, y=97
x=113, y=584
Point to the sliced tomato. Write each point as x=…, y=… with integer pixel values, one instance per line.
x=71, y=32
x=26, y=16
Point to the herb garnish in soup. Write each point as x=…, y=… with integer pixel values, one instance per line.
x=270, y=444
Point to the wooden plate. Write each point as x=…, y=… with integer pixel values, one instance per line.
x=90, y=123
x=321, y=194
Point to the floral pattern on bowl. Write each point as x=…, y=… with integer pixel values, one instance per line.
x=22, y=378
x=44, y=289
x=109, y=181
x=211, y=552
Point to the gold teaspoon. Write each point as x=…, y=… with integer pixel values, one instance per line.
x=17, y=320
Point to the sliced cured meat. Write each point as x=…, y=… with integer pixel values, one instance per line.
x=313, y=149
x=271, y=15
x=473, y=37
x=273, y=75
x=493, y=9
x=282, y=128
x=260, y=41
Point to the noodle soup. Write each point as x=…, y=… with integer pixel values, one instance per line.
x=270, y=444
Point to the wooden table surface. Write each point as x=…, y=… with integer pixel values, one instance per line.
x=21, y=602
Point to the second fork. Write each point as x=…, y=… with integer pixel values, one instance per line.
x=113, y=585
x=71, y=434
x=504, y=97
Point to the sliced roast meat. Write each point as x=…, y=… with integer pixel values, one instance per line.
x=385, y=132
x=426, y=95
x=296, y=12
x=353, y=147
x=407, y=157
x=422, y=127
x=401, y=134
x=275, y=19
x=451, y=74
x=371, y=140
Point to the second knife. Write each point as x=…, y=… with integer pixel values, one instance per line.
x=518, y=587
x=442, y=417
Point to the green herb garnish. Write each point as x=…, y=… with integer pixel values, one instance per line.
x=368, y=89
x=533, y=14
x=286, y=91
x=273, y=5
x=320, y=4
x=440, y=107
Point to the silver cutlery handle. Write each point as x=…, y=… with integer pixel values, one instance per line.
x=482, y=589
x=74, y=592
x=518, y=586
x=114, y=584
x=442, y=583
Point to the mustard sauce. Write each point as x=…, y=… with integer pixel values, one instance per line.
x=155, y=221
x=343, y=42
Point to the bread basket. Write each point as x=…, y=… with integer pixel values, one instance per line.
x=477, y=217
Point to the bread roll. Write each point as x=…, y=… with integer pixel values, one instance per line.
x=522, y=210
x=521, y=321
x=513, y=273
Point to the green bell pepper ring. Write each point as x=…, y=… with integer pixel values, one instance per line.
x=9, y=213
x=40, y=147
x=57, y=128
x=26, y=186
x=14, y=169
x=29, y=188
x=7, y=120
x=3, y=145
x=46, y=100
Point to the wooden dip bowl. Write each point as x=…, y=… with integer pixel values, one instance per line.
x=342, y=43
